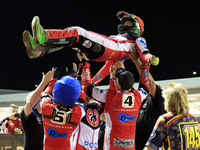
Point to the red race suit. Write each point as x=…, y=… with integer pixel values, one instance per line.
x=97, y=47
x=88, y=131
x=59, y=133
x=89, y=128
x=121, y=110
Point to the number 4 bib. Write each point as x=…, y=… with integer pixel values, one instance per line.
x=128, y=100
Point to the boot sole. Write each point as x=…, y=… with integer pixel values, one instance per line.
x=26, y=40
x=32, y=52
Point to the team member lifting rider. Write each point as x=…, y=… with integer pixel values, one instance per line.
x=122, y=104
x=61, y=115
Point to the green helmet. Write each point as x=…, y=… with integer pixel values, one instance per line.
x=138, y=24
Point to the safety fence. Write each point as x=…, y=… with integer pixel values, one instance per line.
x=11, y=142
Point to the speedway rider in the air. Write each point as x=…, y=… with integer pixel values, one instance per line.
x=95, y=46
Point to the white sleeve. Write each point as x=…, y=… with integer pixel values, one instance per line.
x=143, y=93
x=141, y=43
x=82, y=111
x=99, y=94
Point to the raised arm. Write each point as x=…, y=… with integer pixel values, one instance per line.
x=135, y=59
x=90, y=89
x=102, y=73
x=33, y=97
x=144, y=88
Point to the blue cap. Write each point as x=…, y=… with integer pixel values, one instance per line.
x=67, y=90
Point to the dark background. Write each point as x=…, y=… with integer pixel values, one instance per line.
x=171, y=32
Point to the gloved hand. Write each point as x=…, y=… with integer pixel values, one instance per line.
x=155, y=60
x=56, y=73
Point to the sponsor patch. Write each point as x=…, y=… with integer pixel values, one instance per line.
x=87, y=44
x=98, y=76
x=53, y=133
x=93, y=117
x=123, y=117
x=126, y=143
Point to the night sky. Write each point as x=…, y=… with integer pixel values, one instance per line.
x=171, y=32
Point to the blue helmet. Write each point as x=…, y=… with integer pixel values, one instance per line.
x=67, y=90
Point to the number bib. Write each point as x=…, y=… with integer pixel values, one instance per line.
x=60, y=117
x=128, y=101
x=189, y=135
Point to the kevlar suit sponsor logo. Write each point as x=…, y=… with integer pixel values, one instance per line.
x=126, y=143
x=55, y=49
x=53, y=133
x=98, y=76
x=88, y=144
x=87, y=44
x=123, y=117
x=93, y=117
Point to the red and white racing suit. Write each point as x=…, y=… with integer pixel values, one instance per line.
x=121, y=110
x=97, y=47
x=89, y=128
x=59, y=134
x=87, y=138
